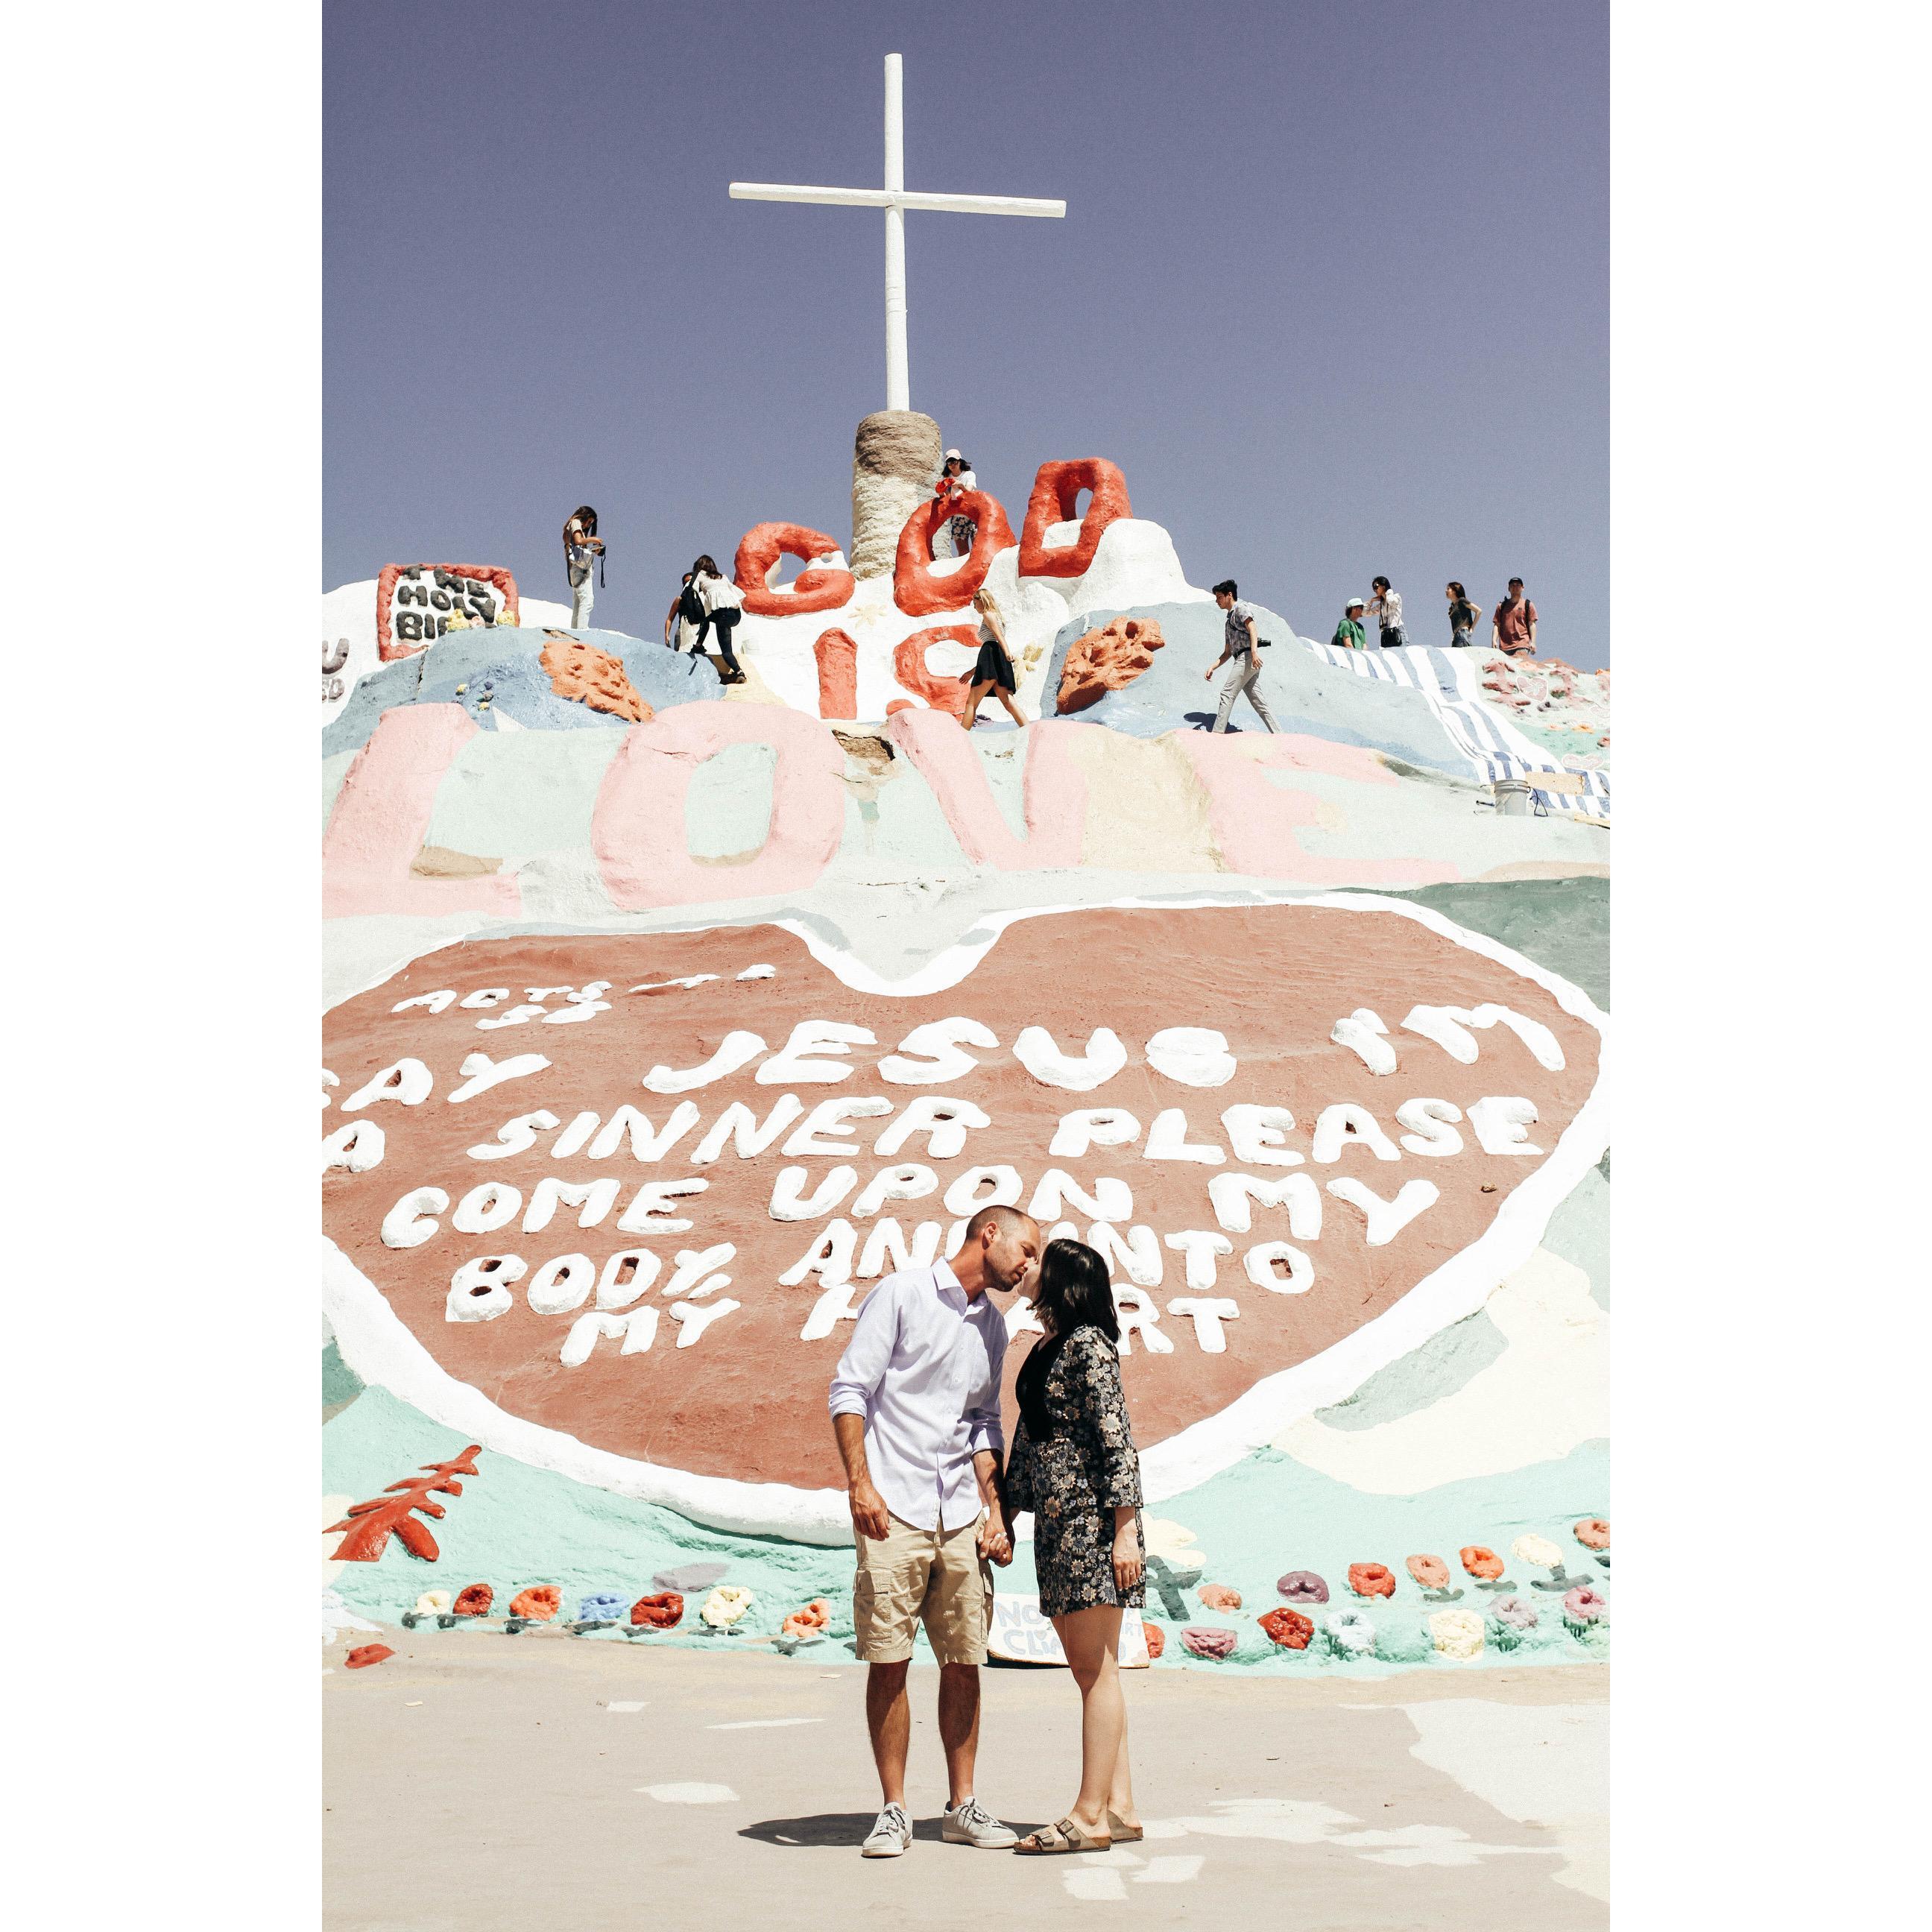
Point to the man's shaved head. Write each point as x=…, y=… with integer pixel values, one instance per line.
x=1000, y=1243
x=1004, y=1220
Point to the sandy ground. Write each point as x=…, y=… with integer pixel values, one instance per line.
x=474, y=1782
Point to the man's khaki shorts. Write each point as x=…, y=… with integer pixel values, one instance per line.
x=934, y=1577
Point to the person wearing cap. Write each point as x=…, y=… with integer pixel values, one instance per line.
x=1386, y=609
x=1349, y=635
x=1513, y=626
x=955, y=477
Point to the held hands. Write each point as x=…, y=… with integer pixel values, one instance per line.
x=1128, y=1565
x=994, y=1543
x=869, y=1515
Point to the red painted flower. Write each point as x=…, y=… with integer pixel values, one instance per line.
x=1371, y=1579
x=1289, y=1628
x=1480, y=1561
x=361, y=1658
x=538, y=1604
x=1157, y=1638
x=473, y=1599
x=665, y=1611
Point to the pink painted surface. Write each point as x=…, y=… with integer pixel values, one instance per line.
x=1256, y=824
x=1054, y=800
x=637, y=826
x=381, y=815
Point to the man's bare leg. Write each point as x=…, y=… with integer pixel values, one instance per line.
x=958, y=1727
x=889, y=1718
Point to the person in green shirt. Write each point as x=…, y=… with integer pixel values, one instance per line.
x=1349, y=633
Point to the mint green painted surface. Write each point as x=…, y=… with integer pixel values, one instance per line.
x=518, y=793
x=728, y=811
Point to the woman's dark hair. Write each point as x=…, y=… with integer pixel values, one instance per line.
x=1382, y=583
x=704, y=567
x=585, y=518
x=1455, y=590
x=1074, y=1291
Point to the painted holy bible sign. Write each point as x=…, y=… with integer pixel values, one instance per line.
x=610, y=1203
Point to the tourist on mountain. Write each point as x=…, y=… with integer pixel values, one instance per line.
x=724, y=605
x=583, y=550
x=1075, y=1465
x=1349, y=635
x=915, y=1405
x=995, y=670
x=1386, y=609
x=685, y=618
x=955, y=475
x=1241, y=641
x=1513, y=627
x=1462, y=616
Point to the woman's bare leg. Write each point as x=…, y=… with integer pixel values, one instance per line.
x=1012, y=709
x=974, y=699
x=1091, y=1639
x=1120, y=1796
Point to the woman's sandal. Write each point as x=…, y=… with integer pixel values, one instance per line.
x=1066, y=1836
x=1123, y=1834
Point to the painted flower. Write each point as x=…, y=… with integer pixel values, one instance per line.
x=538, y=1604
x=1349, y=1632
x=433, y=1603
x=1518, y=1612
x=474, y=1599
x=1208, y=1640
x=365, y=1654
x=1219, y=1596
x=1481, y=1561
x=1457, y=1633
x=1594, y=1532
x=1157, y=1638
x=605, y=1607
x=1289, y=1628
x=1371, y=1579
x=810, y=1620
x=1431, y=1572
x=725, y=1605
x=1303, y=1586
x=1538, y=1550
x=665, y=1611
x=1583, y=1607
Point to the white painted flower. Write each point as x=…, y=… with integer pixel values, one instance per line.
x=1351, y=1632
x=725, y=1605
x=1539, y=1550
x=434, y=1603
x=1457, y=1633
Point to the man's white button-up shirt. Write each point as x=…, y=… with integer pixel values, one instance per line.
x=923, y=1369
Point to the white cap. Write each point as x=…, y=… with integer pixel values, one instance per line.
x=949, y=455
x=1354, y=604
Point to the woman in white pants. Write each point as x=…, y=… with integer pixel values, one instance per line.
x=582, y=546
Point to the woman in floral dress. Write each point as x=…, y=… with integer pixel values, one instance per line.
x=1074, y=1465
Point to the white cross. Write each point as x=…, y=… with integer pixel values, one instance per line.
x=895, y=200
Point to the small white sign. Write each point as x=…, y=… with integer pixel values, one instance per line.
x=1020, y=1635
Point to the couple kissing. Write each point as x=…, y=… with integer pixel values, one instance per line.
x=916, y=1411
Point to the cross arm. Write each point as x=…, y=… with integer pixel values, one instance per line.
x=879, y=197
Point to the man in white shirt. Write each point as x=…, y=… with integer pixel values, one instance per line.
x=916, y=1410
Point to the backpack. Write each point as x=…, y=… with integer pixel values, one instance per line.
x=690, y=606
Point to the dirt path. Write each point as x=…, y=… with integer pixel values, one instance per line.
x=476, y=1782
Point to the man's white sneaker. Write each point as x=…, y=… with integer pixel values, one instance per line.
x=973, y=1824
x=891, y=1836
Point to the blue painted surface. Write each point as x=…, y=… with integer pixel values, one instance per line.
x=502, y=667
x=1304, y=693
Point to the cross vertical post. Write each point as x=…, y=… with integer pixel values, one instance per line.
x=898, y=372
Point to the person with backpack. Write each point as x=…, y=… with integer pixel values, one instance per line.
x=1241, y=641
x=1349, y=635
x=583, y=550
x=724, y=605
x=1513, y=629
x=685, y=616
x=1462, y=616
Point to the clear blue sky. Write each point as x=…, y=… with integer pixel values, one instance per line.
x=1332, y=288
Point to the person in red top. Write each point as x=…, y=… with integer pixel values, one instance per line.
x=1513, y=627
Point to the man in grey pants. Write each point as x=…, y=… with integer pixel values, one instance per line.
x=1242, y=642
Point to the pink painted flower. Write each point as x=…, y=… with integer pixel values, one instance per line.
x=1431, y=1572
x=1583, y=1606
x=1303, y=1586
x=1594, y=1532
x=1209, y=1640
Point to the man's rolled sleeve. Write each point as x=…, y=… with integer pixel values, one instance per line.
x=862, y=1366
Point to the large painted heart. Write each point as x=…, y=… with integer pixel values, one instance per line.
x=1407, y=1101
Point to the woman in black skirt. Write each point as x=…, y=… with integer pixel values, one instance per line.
x=994, y=669
x=1074, y=1465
